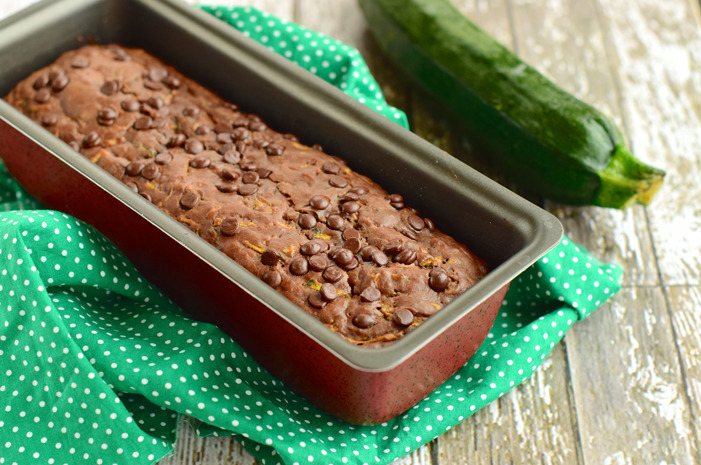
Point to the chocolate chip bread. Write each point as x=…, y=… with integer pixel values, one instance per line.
x=329, y=239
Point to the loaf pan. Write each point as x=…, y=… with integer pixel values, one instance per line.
x=356, y=384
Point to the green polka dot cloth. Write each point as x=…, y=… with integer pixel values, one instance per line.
x=96, y=365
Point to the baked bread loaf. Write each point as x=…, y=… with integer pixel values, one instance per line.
x=329, y=239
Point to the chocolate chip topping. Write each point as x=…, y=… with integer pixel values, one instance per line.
x=359, y=190
x=229, y=174
x=191, y=111
x=231, y=156
x=370, y=294
x=106, y=116
x=250, y=177
x=274, y=150
x=240, y=134
x=338, y=181
x=299, y=266
x=319, y=202
x=332, y=274
x=150, y=171
x=43, y=95
x=438, y=280
x=229, y=227
x=316, y=300
x=164, y=158
x=134, y=168
x=111, y=87
x=130, y=105
x=328, y=292
x=143, y=123
x=189, y=200
x=406, y=256
x=350, y=207
x=59, y=82
x=193, y=146
x=200, y=162
x=247, y=189
x=393, y=247
x=155, y=102
x=91, y=139
x=330, y=168
x=306, y=221
x=335, y=222
x=270, y=257
x=353, y=244
x=416, y=222
x=342, y=257
x=272, y=278
x=318, y=262
x=310, y=248
x=364, y=320
x=41, y=81
x=227, y=188
x=403, y=317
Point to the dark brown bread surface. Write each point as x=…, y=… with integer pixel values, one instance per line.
x=329, y=239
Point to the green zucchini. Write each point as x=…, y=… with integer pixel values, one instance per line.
x=550, y=142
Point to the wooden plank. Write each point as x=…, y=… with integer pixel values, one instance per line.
x=656, y=47
x=631, y=404
x=684, y=304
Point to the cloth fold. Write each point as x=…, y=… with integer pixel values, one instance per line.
x=97, y=364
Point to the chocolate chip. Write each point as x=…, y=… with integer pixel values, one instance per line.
x=146, y=195
x=111, y=87
x=370, y=294
x=143, y=123
x=232, y=156
x=335, y=222
x=43, y=95
x=406, y=256
x=338, y=181
x=350, y=207
x=274, y=150
x=240, y=134
x=306, y=221
x=310, y=248
x=200, y=162
x=330, y=168
x=416, y=222
x=348, y=196
x=328, y=292
x=172, y=82
x=318, y=262
x=272, y=278
x=270, y=257
x=177, y=140
x=80, y=63
x=257, y=126
x=351, y=233
x=299, y=266
x=49, y=119
x=203, y=130
x=91, y=139
x=264, y=173
x=393, y=247
x=229, y=227
x=291, y=137
x=229, y=175
x=395, y=198
x=227, y=188
x=152, y=85
x=343, y=257
x=359, y=190
x=130, y=105
x=352, y=244
x=364, y=320
x=403, y=317
x=134, y=168
x=316, y=300
x=247, y=189
x=250, y=177
x=59, y=82
x=240, y=122
x=155, y=102
x=397, y=205
x=249, y=165
x=366, y=252
x=352, y=265
x=223, y=136
x=164, y=158
x=41, y=81
x=132, y=186
x=193, y=146
x=157, y=73
x=191, y=111
x=106, y=116
x=332, y=274
x=379, y=257
x=429, y=224
x=318, y=147
x=150, y=171
x=438, y=279
x=410, y=234
x=319, y=202
x=189, y=200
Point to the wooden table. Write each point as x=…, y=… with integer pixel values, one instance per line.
x=624, y=387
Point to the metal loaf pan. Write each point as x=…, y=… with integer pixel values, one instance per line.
x=362, y=386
